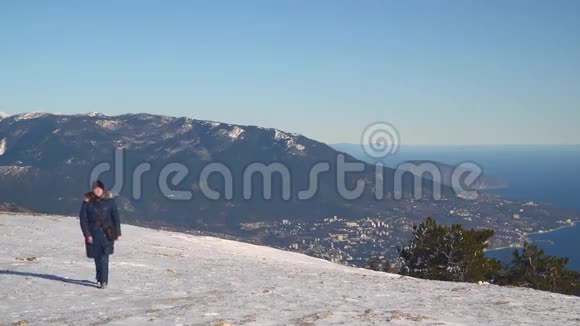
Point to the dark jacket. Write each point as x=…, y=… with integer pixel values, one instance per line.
x=90, y=224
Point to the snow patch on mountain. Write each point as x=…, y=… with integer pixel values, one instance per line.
x=211, y=124
x=289, y=139
x=89, y=114
x=120, y=144
x=185, y=127
x=4, y=115
x=30, y=115
x=280, y=135
x=3, y=146
x=231, y=132
x=236, y=132
x=109, y=124
x=168, y=278
x=15, y=170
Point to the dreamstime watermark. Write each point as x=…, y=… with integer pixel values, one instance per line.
x=378, y=141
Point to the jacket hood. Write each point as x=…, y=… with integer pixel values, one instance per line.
x=90, y=196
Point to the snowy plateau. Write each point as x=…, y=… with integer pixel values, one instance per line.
x=168, y=278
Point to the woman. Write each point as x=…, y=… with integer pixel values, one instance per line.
x=101, y=226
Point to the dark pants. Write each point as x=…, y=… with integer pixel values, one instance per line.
x=102, y=265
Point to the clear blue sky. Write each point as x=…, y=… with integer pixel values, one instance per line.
x=442, y=72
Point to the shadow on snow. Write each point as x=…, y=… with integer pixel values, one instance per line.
x=50, y=277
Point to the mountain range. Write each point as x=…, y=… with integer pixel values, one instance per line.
x=49, y=157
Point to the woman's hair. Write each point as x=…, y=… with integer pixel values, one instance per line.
x=98, y=184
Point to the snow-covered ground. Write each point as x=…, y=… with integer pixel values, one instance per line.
x=168, y=278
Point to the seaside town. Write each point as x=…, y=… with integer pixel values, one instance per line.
x=357, y=241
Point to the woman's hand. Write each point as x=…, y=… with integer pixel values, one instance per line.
x=89, y=239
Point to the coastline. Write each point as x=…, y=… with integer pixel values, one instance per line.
x=525, y=237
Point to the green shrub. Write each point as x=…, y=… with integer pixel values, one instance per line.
x=448, y=253
x=534, y=269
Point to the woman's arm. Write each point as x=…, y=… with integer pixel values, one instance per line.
x=116, y=218
x=84, y=220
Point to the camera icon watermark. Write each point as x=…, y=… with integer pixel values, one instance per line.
x=380, y=139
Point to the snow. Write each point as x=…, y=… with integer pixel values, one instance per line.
x=109, y=124
x=289, y=139
x=212, y=124
x=280, y=135
x=231, y=132
x=90, y=114
x=14, y=170
x=3, y=146
x=4, y=115
x=236, y=132
x=163, y=278
x=30, y=115
x=187, y=126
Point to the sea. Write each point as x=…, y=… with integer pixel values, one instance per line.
x=541, y=173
